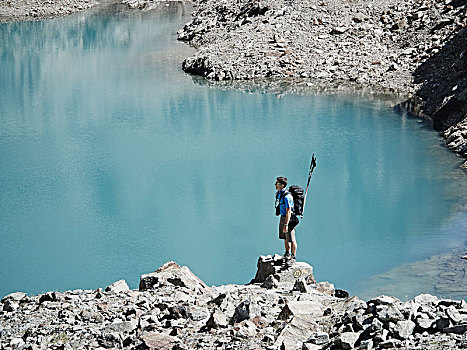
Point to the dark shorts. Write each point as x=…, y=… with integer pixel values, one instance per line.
x=289, y=236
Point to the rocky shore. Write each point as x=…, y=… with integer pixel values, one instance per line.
x=281, y=308
x=415, y=48
x=30, y=10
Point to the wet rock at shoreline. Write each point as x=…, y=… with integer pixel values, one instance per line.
x=170, y=314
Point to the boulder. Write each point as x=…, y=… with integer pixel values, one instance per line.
x=454, y=315
x=271, y=282
x=10, y=306
x=246, y=329
x=426, y=299
x=217, y=320
x=326, y=288
x=172, y=274
x=301, y=286
x=389, y=313
x=50, y=296
x=404, y=329
x=346, y=340
x=17, y=296
x=318, y=338
x=297, y=308
x=117, y=287
x=120, y=326
x=242, y=312
x=297, y=331
x=274, y=265
x=159, y=341
x=459, y=329
x=424, y=324
x=384, y=300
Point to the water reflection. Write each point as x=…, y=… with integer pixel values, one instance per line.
x=113, y=161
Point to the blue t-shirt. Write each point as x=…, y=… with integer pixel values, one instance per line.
x=285, y=201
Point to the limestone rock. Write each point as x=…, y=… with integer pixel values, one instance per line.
x=217, y=320
x=346, y=340
x=172, y=274
x=301, y=285
x=159, y=341
x=117, y=287
x=17, y=296
x=297, y=308
x=10, y=305
x=404, y=329
x=270, y=282
x=274, y=265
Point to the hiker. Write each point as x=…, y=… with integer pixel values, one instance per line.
x=284, y=207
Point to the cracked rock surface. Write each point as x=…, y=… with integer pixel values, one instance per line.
x=174, y=309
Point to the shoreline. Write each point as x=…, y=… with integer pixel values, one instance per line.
x=283, y=307
x=412, y=49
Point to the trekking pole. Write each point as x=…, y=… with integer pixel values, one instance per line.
x=312, y=167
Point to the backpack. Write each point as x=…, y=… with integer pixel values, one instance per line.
x=298, y=197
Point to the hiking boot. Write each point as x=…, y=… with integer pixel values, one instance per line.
x=292, y=259
x=286, y=256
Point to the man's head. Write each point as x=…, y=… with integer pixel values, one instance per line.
x=281, y=182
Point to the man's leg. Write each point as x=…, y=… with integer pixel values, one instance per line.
x=287, y=246
x=294, y=247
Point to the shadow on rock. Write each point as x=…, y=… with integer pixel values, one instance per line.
x=442, y=95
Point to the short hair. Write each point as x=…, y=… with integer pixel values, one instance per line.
x=282, y=180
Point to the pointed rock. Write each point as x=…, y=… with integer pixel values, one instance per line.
x=117, y=287
x=172, y=274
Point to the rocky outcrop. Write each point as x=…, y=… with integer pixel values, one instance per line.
x=414, y=47
x=180, y=312
x=29, y=10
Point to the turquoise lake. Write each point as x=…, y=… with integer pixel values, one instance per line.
x=114, y=161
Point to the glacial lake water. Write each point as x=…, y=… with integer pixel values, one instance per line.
x=113, y=161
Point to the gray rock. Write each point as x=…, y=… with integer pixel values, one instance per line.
x=389, y=313
x=325, y=287
x=10, y=305
x=246, y=329
x=441, y=323
x=121, y=326
x=404, y=329
x=426, y=299
x=17, y=296
x=318, y=338
x=297, y=308
x=339, y=30
x=424, y=324
x=459, y=329
x=346, y=340
x=171, y=274
x=160, y=341
x=242, y=312
x=270, y=282
x=117, y=287
x=17, y=343
x=217, y=320
x=297, y=331
x=301, y=286
x=454, y=315
x=384, y=300
x=273, y=265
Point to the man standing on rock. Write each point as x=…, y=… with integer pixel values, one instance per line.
x=284, y=207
